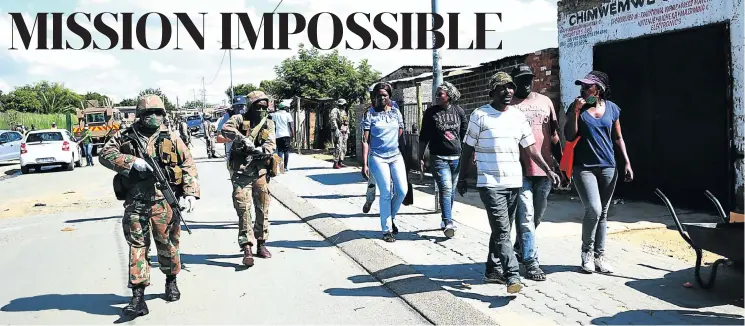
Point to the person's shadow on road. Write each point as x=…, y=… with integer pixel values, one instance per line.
x=95, y=304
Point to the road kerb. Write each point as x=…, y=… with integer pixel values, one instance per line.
x=434, y=303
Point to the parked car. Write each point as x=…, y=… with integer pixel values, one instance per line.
x=194, y=123
x=10, y=145
x=49, y=147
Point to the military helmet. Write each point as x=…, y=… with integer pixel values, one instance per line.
x=149, y=102
x=256, y=96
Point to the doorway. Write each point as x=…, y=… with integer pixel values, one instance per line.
x=674, y=91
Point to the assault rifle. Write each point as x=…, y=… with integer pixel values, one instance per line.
x=161, y=182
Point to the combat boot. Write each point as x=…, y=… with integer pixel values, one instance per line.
x=172, y=292
x=341, y=164
x=137, y=306
x=336, y=165
x=262, y=251
x=248, y=258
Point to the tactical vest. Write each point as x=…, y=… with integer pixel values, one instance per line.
x=238, y=158
x=167, y=156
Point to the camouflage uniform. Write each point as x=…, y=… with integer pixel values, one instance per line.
x=250, y=183
x=340, y=128
x=145, y=206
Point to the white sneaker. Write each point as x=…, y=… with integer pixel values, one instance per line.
x=450, y=230
x=602, y=266
x=588, y=265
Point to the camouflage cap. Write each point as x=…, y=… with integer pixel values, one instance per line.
x=149, y=102
x=499, y=79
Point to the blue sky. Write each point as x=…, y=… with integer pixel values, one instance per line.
x=527, y=26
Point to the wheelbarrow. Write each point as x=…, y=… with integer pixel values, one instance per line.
x=723, y=238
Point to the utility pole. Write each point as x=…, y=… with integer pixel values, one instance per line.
x=230, y=61
x=204, y=95
x=436, y=65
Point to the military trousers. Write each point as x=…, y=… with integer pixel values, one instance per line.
x=210, y=146
x=140, y=217
x=250, y=192
x=340, y=145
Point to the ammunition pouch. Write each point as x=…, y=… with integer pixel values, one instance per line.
x=275, y=165
x=170, y=159
x=121, y=186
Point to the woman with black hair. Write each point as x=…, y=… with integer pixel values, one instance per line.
x=595, y=120
x=382, y=126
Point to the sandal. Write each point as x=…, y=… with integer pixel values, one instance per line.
x=535, y=273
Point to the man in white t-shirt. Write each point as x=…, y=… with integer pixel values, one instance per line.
x=284, y=132
x=497, y=133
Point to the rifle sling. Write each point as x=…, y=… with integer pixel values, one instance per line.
x=255, y=130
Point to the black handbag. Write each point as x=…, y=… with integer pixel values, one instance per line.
x=409, y=198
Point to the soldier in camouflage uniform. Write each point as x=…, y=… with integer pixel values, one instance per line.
x=144, y=205
x=339, y=120
x=250, y=180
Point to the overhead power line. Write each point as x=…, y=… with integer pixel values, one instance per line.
x=219, y=67
x=261, y=24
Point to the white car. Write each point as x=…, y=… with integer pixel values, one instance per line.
x=10, y=145
x=49, y=147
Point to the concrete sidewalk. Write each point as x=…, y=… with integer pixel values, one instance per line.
x=646, y=288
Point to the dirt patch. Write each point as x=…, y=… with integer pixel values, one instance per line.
x=68, y=201
x=663, y=241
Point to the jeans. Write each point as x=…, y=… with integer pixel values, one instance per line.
x=531, y=204
x=446, y=175
x=390, y=176
x=595, y=187
x=501, y=206
x=89, y=153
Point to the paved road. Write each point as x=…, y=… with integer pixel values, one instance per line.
x=646, y=288
x=71, y=268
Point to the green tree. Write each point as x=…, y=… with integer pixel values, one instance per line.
x=315, y=75
x=157, y=91
x=193, y=104
x=242, y=89
x=22, y=99
x=56, y=98
x=269, y=86
x=102, y=99
x=127, y=102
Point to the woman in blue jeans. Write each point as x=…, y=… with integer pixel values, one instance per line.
x=382, y=127
x=595, y=119
x=443, y=129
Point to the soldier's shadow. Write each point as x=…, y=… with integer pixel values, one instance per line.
x=94, y=304
x=211, y=260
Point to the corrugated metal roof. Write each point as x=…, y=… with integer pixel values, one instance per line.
x=445, y=73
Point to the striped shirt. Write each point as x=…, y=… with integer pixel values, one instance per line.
x=497, y=136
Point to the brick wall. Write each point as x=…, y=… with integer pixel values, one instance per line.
x=474, y=87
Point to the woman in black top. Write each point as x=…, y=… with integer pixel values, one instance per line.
x=443, y=128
